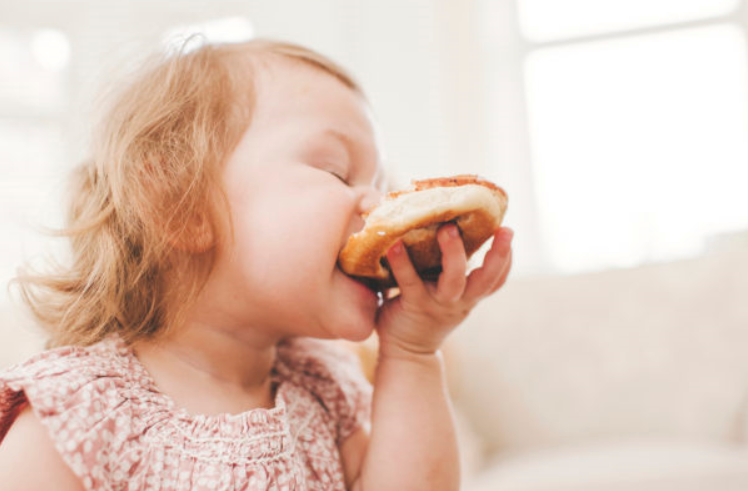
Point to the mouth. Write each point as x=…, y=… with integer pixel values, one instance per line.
x=368, y=283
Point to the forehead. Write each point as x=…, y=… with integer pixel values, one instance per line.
x=299, y=102
x=288, y=90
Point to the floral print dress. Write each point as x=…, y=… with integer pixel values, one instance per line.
x=116, y=430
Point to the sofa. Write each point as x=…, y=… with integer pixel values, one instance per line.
x=622, y=380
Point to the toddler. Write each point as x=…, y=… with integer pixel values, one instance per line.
x=187, y=336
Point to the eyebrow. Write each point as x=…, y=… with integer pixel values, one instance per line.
x=344, y=138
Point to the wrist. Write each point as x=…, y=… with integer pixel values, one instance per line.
x=398, y=346
x=402, y=352
x=422, y=370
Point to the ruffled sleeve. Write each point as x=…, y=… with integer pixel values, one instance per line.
x=80, y=396
x=334, y=377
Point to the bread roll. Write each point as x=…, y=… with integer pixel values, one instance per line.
x=475, y=205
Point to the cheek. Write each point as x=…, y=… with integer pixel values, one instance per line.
x=281, y=253
x=291, y=234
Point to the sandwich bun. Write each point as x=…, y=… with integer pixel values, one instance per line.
x=475, y=205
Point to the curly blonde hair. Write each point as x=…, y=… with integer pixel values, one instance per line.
x=148, y=208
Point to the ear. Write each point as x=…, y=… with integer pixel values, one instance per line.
x=196, y=237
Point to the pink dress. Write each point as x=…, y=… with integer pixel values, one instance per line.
x=117, y=431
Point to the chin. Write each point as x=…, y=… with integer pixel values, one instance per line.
x=355, y=328
x=358, y=336
x=353, y=311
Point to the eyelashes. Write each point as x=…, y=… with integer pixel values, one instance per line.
x=333, y=161
x=335, y=168
x=342, y=179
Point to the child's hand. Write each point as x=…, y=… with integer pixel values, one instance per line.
x=424, y=313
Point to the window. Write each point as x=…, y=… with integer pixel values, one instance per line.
x=547, y=20
x=639, y=141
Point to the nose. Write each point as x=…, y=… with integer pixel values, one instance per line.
x=370, y=197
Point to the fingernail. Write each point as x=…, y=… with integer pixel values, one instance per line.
x=454, y=232
x=509, y=234
x=397, y=248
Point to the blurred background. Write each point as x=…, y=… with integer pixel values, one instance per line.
x=619, y=130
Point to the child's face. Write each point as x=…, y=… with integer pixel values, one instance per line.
x=299, y=179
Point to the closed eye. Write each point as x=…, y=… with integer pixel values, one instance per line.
x=330, y=155
x=342, y=179
x=341, y=176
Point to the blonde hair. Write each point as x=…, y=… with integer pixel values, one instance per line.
x=148, y=208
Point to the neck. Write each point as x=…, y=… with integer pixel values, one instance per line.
x=240, y=362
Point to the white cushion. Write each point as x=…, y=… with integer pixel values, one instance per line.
x=623, y=466
x=658, y=351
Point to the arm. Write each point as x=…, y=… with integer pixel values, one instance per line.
x=413, y=443
x=29, y=461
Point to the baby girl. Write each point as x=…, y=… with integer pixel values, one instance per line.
x=189, y=336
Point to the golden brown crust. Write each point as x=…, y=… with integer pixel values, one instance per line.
x=364, y=254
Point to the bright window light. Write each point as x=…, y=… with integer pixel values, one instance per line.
x=640, y=145
x=227, y=30
x=545, y=20
x=51, y=49
x=32, y=70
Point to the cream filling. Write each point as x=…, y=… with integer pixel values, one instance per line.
x=414, y=206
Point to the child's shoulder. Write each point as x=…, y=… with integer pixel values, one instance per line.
x=25, y=449
x=105, y=351
x=73, y=389
x=70, y=374
x=87, y=399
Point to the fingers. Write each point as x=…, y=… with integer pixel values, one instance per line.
x=405, y=274
x=452, y=280
x=503, y=276
x=453, y=285
x=496, y=264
